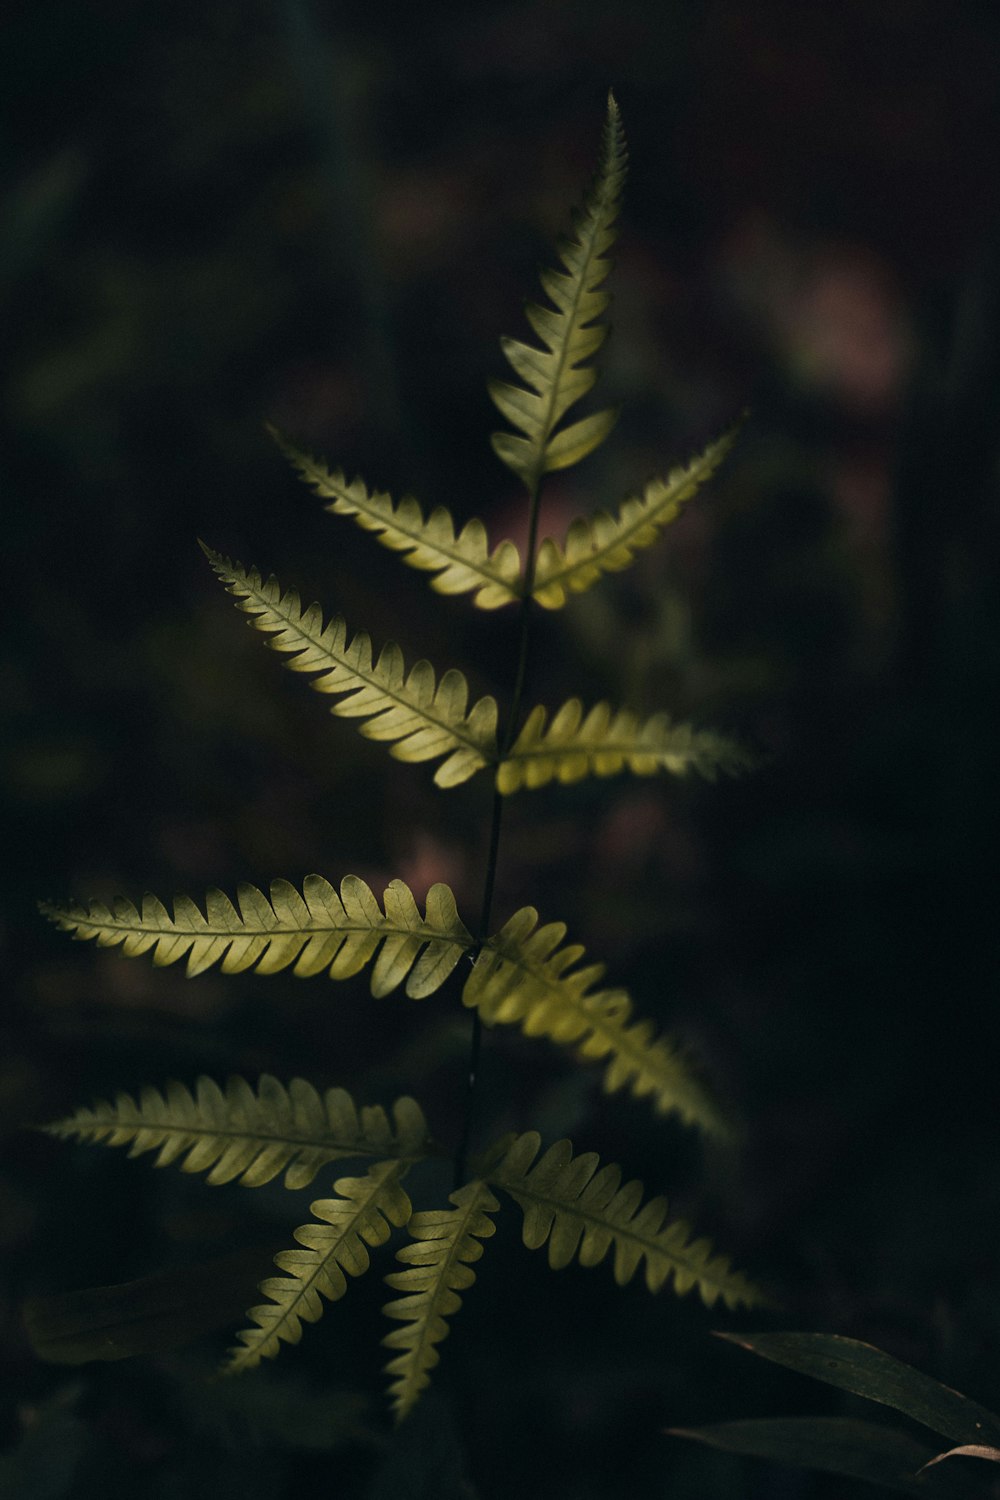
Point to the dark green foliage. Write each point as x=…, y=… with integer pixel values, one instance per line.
x=873, y=1451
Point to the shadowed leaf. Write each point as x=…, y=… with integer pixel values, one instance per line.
x=164, y=1311
x=866, y=1371
x=837, y=1445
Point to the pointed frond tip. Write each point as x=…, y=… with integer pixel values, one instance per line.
x=554, y=377
x=580, y=1210
x=314, y=932
x=602, y=543
x=421, y=718
x=461, y=561
x=438, y=1259
x=238, y=1135
x=526, y=976
x=602, y=743
x=334, y=1248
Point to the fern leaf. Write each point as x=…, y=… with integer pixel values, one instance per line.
x=237, y=1135
x=602, y=543
x=315, y=931
x=444, y=1243
x=332, y=1249
x=421, y=717
x=524, y=976
x=581, y=1213
x=462, y=562
x=603, y=743
x=555, y=376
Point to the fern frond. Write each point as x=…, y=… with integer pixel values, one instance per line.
x=332, y=1250
x=237, y=1135
x=602, y=543
x=313, y=931
x=524, y=976
x=462, y=561
x=443, y=1244
x=602, y=743
x=555, y=376
x=581, y=1213
x=423, y=718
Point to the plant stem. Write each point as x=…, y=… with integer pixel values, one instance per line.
x=506, y=740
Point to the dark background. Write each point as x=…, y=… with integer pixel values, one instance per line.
x=326, y=217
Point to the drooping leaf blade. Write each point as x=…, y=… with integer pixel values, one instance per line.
x=238, y=1135
x=526, y=976
x=438, y=1261
x=420, y=717
x=603, y=742
x=165, y=1310
x=864, y=1370
x=555, y=376
x=602, y=543
x=966, y=1450
x=580, y=1211
x=880, y=1455
x=319, y=930
x=461, y=561
x=332, y=1249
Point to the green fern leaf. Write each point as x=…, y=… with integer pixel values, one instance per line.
x=423, y=718
x=524, y=976
x=332, y=1250
x=461, y=561
x=602, y=543
x=604, y=743
x=581, y=1213
x=237, y=1135
x=315, y=931
x=444, y=1242
x=556, y=376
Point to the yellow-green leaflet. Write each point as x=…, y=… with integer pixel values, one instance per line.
x=332, y=1247
x=602, y=742
x=581, y=1211
x=527, y=976
x=422, y=718
x=602, y=543
x=318, y=931
x=461, y=560
x=236, y=1134
x=443, y=1244
x=556, y=375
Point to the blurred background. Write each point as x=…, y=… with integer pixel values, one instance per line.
x=219, y=215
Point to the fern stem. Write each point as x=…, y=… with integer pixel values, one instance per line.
x=471, y=1097
x=524, y=623
x=507, y=739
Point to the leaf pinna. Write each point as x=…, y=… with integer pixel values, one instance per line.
x=554, y=377
x=237, y=1135
x=421, y=718
x=314, y=932
x=461, y=563
x=522, y=972
x=602, y=742
x=581, y=1213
